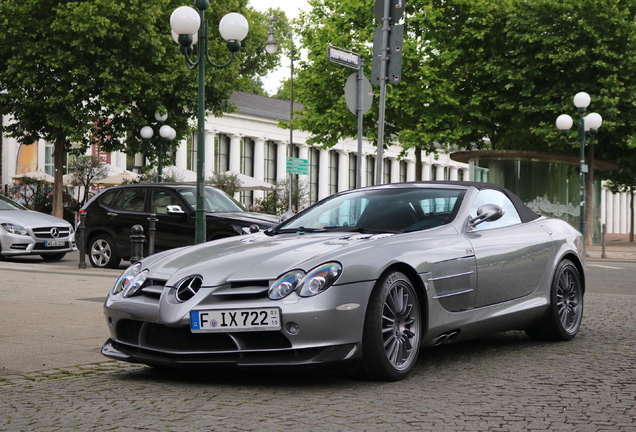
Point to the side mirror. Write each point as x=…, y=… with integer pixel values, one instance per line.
x=174, y=209
x=487, y=213
x=286, y=215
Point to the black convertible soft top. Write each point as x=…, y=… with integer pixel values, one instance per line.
x=525, y=213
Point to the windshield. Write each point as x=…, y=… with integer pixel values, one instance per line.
x=215, y=200
x=386, y=210
x=7, y=204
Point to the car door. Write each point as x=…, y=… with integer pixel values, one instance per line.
x=127, y=209
x=172, y=228
x=511, y=256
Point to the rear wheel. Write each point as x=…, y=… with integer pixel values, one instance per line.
x=392, y=329
x=102, y=252
x=53, y=257
x=564, y=316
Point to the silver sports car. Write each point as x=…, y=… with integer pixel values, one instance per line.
x=364, y=277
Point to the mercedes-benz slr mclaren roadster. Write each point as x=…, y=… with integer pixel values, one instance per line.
x=365, y=277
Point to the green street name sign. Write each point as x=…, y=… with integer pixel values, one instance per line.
x=297, y=166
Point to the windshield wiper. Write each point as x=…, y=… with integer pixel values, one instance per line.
x=299, y=230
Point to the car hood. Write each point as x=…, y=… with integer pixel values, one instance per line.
x=262, y=219
x=254, y=257
x=30, y=218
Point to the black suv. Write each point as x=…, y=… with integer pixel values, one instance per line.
x=111, y=214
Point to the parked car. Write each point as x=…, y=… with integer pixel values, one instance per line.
x=365, y=277
x=26, y=232
x=110, y=215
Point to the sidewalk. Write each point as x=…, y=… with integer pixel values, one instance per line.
x=617, y=248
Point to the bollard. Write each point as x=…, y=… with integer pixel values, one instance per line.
x=79, y=239
x=151, y=235
x=137, y=240
x=603, y=231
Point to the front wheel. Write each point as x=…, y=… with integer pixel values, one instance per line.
x=392, y=329
x=564, y=316
x=102, y=252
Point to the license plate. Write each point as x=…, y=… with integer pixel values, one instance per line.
x=235, y=320
x=54, y=243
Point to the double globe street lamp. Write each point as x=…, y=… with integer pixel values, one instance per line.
x=190, y=27
x=166, y=133
x=587, y=130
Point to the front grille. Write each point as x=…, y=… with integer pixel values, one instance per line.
x=45, y=232
x=159, y=337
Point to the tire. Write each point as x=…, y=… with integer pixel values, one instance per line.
x=53, y=257
x=102, y=252
x=563, y=319
x=392, y=329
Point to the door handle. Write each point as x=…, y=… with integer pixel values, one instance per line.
x=111, y=214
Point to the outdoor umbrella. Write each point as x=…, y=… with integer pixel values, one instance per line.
x=117, y=179
x=37, y=175
x=250, y=183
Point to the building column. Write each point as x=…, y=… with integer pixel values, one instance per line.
x=181, y=157
x=440, y=172
x=343, y=171
x=208, y=169
x=453, y=173
x=410, y=170
x=395, y=170
x=426, y=171
x=235, y=153
x=303, y=153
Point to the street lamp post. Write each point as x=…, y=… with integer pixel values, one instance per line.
x=587, y=130
x=271, y=46
x=189, y=24
x=166, y=133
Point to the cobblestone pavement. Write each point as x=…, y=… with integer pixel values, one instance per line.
x=501, y=383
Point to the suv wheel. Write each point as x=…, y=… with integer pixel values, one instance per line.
x=102, y=252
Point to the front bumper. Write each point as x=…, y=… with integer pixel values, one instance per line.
x=16, y=245
x=315, y=330
x=288, y=357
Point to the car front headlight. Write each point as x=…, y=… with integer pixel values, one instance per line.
x=319, y=279
x=285, y=285
x=130, y=281
x=305, y=284
x=15, y=229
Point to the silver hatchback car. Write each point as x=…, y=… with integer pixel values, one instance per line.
x=26, y=232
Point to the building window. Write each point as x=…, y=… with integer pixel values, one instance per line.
x=370, y=170
x=49, y=163
x=403, y=169
x=314, y=167
x=271, y=159
x=222, y=154
x=247, y=167
x=386, y=171
x=353, y=168
x=460, y=175
x=433, y=172
x=334, y=166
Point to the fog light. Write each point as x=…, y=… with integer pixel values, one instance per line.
x=292, y=328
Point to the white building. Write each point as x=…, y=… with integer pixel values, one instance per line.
x=250, y=141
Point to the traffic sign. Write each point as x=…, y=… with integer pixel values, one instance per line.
x=297, y=166
x=396, y=10
x=343, y=57
x=351, y=94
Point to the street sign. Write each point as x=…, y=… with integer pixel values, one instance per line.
x=351, y=94
x=394, y=69
x=343, y=57
x=396, y=10
x=396, y=38
x=297, y=166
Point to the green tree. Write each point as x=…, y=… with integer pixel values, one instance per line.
x=228, y=182
x=95, y=71
x=85, y=170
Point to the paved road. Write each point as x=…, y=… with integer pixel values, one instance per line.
x=501, y=383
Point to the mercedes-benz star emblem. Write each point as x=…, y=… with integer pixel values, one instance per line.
x=55, y=233
x=188, y=287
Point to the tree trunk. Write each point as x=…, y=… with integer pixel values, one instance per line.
x=58, y=163
x=418, y=164
x=589, y=197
